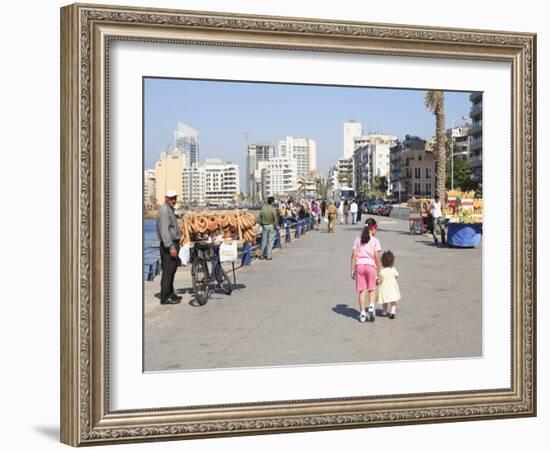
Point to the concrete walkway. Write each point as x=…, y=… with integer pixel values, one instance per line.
x=301, y=308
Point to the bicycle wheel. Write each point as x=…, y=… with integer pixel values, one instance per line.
x=222, y=278
x=199, y=275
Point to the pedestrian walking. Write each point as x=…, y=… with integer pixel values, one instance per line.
x=353, y=210
x=323, y=208
x=346, y=212
x=365, y=268
x=315, y=215
x=388, y=290
x=435, y=210
x=341, y=213
x=332, y=212
x=359, y=212
x=169, y=235
x=269, y=221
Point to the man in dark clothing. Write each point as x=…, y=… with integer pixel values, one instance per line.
x=323, y=208
x=169, y=234
x=269, y=222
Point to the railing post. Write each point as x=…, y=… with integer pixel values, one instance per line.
x=288, y=239
x=297, y=230
x=277, y=241
x=246, y=255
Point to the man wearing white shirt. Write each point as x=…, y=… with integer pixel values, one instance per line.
x=353, y=209
x=435, y=210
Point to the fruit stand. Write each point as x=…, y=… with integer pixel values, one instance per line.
x=464, y=214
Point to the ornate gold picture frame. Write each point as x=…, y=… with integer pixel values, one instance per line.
x=87, y=31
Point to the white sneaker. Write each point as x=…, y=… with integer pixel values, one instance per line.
x=363, y=317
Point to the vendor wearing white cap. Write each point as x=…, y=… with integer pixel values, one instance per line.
x=169, y=234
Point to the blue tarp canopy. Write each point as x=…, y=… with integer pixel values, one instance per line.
x=464, y=234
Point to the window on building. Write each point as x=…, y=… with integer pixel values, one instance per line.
x=428, y=173
x=417, y=172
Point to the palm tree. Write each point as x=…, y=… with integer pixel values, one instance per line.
x=302, y=185
x=435, y=102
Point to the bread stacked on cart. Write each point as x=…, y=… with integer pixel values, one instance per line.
x=229, y=224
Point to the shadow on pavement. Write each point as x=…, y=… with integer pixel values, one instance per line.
x=346, y=311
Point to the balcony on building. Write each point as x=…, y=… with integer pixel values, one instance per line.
x=476, y=143
x=476, y=127
x=476, y=161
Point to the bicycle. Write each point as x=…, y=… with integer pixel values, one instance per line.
x=202, y=252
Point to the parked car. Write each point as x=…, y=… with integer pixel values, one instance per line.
x=368, y=205
x=377, y=207
x=384, y=209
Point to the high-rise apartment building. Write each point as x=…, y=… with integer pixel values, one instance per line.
x=186, y=140
x=352, y=130
x=301, y=150
x=279, y=177
x=255, y=155
x=372, y=159
x=211, y=182
x=476, y=136
x=150, y=188
x=169, y=174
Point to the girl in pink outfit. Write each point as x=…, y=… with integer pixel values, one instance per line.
x=365, y=268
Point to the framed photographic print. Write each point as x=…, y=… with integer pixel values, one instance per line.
x=280, y=224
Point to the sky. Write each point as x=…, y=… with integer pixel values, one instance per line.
x=223, y=111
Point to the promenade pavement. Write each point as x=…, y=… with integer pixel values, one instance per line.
x=301, y=308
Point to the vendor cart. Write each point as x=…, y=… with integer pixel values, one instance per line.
x=420, y=220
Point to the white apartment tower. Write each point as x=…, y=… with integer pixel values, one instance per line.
x=279, y=177
x=213, y=181
x=301, y=150
x=352, y=130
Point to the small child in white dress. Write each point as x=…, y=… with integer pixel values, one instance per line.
x=388, y=290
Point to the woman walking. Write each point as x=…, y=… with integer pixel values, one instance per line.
x=315, y=214
x=365, y=268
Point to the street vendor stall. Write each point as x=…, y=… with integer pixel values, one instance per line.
x=464, y=214
x=420, y=220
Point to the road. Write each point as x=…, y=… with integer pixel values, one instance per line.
x=301, y=308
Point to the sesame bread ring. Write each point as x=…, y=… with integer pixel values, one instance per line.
x=201, y=225
x=223, y=220
x=193, y=224
x=233, y=221
x=212, y=223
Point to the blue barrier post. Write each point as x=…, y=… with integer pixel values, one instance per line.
x=277, y=241
x=297, y=230
x=246, y=255
x=288, y=239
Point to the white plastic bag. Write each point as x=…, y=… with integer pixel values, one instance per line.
x=183, y=254
x=325, y=220
x=228, y=252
